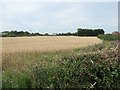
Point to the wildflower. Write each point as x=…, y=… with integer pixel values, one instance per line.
x=92, y=61
x=92, y=85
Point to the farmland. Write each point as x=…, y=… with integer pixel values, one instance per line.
x=59, y=62
x=46, y=43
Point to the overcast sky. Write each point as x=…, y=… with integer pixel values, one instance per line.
x=55, y=17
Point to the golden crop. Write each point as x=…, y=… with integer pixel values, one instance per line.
x=45, y=43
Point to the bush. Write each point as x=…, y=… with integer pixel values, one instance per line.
x=108, y=37
x=81, y=71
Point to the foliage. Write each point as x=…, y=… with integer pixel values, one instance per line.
x=80, y=72
x=26, y=33
x=67, y=34
x=16, y=79
x=89, y=32
x=18, y=34
x=109, y=37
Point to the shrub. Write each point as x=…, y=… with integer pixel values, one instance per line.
x=81, y=71
x=108, y=37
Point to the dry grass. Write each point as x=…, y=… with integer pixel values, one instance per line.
x=45, y=43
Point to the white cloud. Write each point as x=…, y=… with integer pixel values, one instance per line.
x=17, y=9
x=57, y=17
x=60, y=0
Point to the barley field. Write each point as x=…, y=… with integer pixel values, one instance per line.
x=45, y=43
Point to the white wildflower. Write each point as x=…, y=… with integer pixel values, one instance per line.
x=92, y=61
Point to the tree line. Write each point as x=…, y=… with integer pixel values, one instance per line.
x=19, y=33
x=89, y=32
x=80, y=32
x=26, y=33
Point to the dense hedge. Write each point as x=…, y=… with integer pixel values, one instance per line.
x=80, y=72
x=109, y=37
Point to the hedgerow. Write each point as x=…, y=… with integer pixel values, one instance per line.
x=84, y=71
x=109, y=37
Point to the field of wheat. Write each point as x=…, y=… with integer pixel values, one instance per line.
x=46, y=43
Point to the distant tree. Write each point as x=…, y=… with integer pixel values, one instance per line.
x=36, y=34
x=46, y=34
x=26, y=33
x=89, y=32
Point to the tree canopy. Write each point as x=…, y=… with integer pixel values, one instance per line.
x=89, y=32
